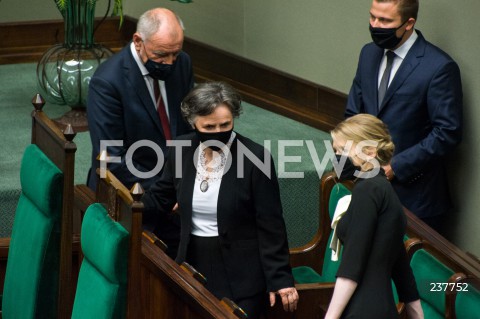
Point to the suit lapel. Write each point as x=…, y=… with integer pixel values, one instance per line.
x=372, y=73
x=226, y=195
x=172, y=111
x=138, y=84
x=408, y=65
x=189, y=173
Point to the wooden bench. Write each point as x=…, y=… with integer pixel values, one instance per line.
x=440, y=277
x=59, y=147
x=312, y=255
x=123, y=206
x=157, y=286
x=469, y=264
x=171, y=291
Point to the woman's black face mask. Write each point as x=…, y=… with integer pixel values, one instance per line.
x=221, y=137
x=347, y=170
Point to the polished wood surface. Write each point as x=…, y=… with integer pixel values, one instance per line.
x=27, y=41
x=168, y=291
x=62, y=153
x=451, y=253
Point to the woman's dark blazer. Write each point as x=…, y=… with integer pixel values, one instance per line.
x=251, y=228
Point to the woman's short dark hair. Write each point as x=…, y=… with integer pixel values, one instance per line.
x=205, y=97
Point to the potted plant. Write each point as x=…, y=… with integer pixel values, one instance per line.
x=64, y=71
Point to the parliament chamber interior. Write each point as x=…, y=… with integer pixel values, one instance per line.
x=39, y=160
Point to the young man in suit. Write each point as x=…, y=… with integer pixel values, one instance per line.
x=134, y=99
x=417, y=92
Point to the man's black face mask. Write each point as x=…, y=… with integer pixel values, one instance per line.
x=386, y=38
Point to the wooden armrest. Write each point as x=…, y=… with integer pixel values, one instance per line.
x=412, y=245
x=194, y=273
x=83, y=196
x=315, y=286
x=4, y=246
x=236, y=310
x=155, y=240
x=451, y=293
x=313, y=302
x=401, y=310
x=310, y=254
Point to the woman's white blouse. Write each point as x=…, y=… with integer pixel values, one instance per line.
x=204, y=209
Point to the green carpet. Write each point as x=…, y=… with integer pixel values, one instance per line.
x=17, y=88
x=300, y=196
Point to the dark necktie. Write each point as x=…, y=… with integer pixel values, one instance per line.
x=162, y=113
x=382, y=89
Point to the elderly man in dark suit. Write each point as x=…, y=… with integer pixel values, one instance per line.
x=134, y=99
x=415, y=88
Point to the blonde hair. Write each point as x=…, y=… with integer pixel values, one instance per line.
x=366, y=127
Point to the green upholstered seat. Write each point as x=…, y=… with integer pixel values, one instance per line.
x=467, y=304
x=305, y=274
x=427, y=269
x=102, y=282
x=31, y=280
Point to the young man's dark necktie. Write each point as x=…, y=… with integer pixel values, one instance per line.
x=382, y=89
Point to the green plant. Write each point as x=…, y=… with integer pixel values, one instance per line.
x=117, y=7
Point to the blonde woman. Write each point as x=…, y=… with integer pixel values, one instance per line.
x=372, y=228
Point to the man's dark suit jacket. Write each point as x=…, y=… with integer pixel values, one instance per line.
x=120, y=108
x=423, y=111
x=251, y=228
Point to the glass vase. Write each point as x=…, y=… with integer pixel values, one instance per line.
x=64, y=71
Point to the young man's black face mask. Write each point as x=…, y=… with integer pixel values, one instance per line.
x=386, y=38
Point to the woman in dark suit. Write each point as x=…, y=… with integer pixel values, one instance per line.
x=232, y=228
x=371, y=229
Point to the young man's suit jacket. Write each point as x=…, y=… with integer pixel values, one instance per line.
x=423, y=111
x=251, y=228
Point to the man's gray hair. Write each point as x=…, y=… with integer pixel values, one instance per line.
x=150, y=22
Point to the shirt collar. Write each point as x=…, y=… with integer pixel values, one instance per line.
x=405, y=47
x=142, y=67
